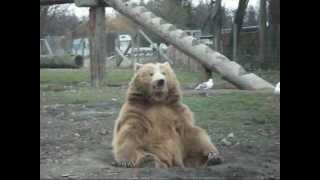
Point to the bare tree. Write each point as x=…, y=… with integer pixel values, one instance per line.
x=56, y=20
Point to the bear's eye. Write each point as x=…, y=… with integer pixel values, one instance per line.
x=163, y=73
x=151, y=74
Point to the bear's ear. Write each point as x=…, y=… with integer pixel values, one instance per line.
x=137, y=66
x=166, y=64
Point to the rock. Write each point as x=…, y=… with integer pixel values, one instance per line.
x=231, y=135
x=77, y=134
x=71, y=120
x=66, y=175
x=73, y=91
x=83, y=84
x=55, y=87
x=104, y=132
x=113, y=99
x=60, y=115
x=67, y=87
x=225, y=142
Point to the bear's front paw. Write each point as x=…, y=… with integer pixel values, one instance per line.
x=125, y=164
x=214, y=159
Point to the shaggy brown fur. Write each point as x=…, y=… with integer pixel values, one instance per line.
x=162, y=127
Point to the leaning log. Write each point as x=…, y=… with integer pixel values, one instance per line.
x=72, y=62
x=214, y=61
x=54, y=2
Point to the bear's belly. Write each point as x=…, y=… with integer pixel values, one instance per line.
x=163, y=122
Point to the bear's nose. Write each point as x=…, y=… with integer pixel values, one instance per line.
x=160, y=83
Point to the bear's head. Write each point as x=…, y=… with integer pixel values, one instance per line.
x=154, y=83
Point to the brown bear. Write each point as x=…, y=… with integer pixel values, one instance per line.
x=153, y=122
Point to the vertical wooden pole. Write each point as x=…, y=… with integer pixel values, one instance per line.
x=217, y=26
x=234, y=42
x=262, y=32
x=97, y=45
x=134, y=50
x=138, y=48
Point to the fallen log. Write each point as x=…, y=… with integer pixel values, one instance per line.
x=48, y=61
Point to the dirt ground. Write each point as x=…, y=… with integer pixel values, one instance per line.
x=75, y=142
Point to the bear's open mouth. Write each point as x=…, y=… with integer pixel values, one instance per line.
x=158, y=91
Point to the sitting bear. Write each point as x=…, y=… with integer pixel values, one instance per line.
x=153, y=122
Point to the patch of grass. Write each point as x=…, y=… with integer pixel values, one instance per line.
x=123, y=76
x=84, y=95
x=230, y=112
x=119, y=76
x=113, y=76
x=63, y=76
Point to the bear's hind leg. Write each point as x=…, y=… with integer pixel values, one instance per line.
x=199, y=149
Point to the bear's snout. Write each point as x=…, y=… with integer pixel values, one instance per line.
x=160, y=83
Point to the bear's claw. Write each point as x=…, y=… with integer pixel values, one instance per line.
x=148, y=161
x=214, y=159
x=125, y=164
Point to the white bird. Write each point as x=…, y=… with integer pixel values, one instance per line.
x=205, y=85
x=277, y=89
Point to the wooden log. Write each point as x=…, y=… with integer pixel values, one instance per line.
x=213, y=60
x=90, y=3
x=67, y=61
x=98, y=44
x=53, y=2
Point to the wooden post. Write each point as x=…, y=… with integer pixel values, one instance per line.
x=217, y=25
x=97, y=45
x=262, y=31
x=138, y=48
x=134, y=50
x=234, y=42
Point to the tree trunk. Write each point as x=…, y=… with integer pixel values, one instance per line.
x=217, y=25
x=262, y=32
x=274, y=24
x=230, y=71
x=235, y=41
x=97, y=45
x=237, y=25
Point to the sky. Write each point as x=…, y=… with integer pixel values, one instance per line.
x=230, y=4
